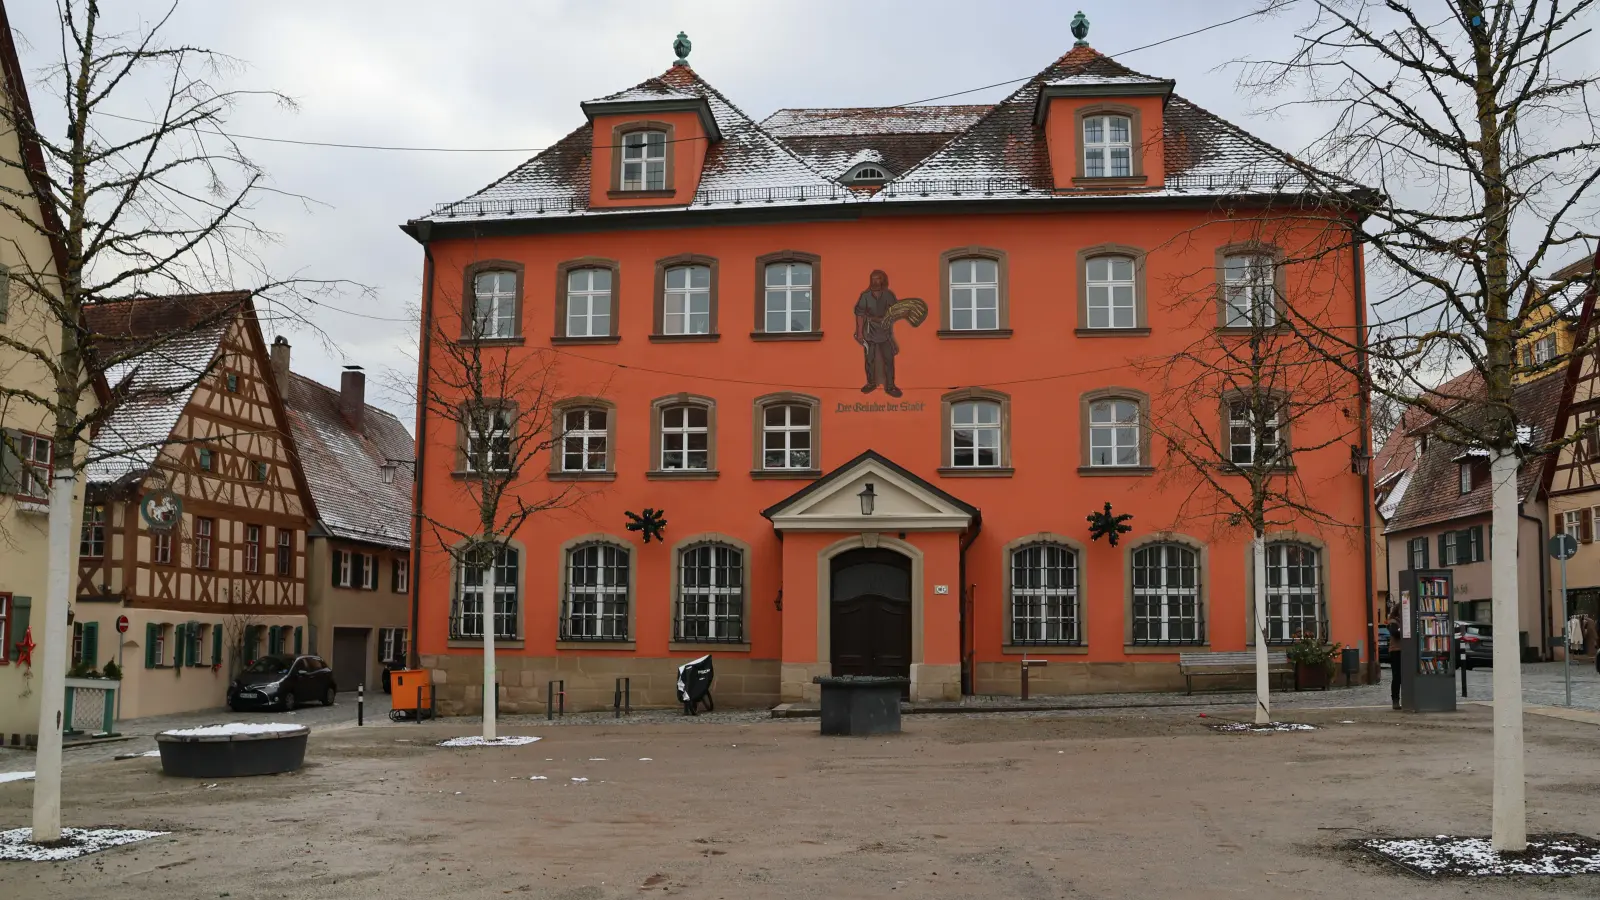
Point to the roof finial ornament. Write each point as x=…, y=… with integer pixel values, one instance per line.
x=1080, y=29
x=681, y=46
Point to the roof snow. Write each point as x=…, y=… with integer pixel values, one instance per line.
x=1082, y=79
x=344, y=465
x=788, y=123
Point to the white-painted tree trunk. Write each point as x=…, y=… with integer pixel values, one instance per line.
x=1509, y=826
x=50, y=659
x=490, y=691
x=1258, y=566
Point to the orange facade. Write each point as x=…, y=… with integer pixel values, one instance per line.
x=800, y=534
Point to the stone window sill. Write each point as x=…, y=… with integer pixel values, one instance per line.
x=1111, y=181
x=974, y=333
x=1111, y=332
x=1246, y=330
x=517, y=341
x=1045, y=650
x=975, y=472
x=785, y=474
x=595, y=645
x=33, y=507
x=565, y=341
x=785, y=335
x=583, y=476
x=469, y=643
x=683, y=475
x=1162, y=649
x=1128, y=471
x=713, y=647
x=685, y=338
x=641, y=195
x=462, y=475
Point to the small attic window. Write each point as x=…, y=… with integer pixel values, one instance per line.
x=866, y=173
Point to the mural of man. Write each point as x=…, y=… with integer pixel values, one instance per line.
x=875, y=334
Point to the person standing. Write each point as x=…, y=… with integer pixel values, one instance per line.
x=1395, y=665
x=1591, y=637
x=875, y=333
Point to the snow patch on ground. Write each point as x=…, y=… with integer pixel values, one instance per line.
x=1238, y=727
x=580, y=779
x=1475, y=857
x=233, y=728
x=477, y=740
x=538, y=778
x=15, y=845
x=14, y=776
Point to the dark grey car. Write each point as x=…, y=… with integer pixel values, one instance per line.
x=282, y=682
x=1476, y=643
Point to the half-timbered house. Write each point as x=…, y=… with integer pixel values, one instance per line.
x=194, y=527
x=1574, y=476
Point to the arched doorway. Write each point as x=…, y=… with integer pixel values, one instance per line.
x=870, y=613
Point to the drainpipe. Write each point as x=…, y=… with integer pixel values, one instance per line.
x=423, y=356
x=1544, y=581
x=1364, y=417
x=968, y=675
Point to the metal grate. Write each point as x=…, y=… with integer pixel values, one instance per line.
x=88, y=709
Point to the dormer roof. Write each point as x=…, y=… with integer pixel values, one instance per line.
x=653, y=95
x=1097, y=76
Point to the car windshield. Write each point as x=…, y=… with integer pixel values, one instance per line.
x=269, y=665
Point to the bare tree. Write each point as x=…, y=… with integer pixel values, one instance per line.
x=131, y=208
x=1472, y=119
x=239, y=630
x=500, y=403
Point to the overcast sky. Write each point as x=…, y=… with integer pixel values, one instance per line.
x=511, y=73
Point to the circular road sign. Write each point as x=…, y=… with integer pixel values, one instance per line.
x=1563, y=546
x=122, y=624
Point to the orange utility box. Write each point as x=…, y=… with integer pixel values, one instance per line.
x=411, y=694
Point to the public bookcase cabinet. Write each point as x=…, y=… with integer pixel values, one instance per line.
x=1427, y=604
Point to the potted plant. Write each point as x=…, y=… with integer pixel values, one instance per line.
x=1313, y=661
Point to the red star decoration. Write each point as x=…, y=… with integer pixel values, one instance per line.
x=25, y=649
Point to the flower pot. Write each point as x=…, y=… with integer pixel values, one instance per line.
x=1312, y=677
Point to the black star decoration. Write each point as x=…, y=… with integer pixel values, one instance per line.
x=1104, y=524
x=650, y=523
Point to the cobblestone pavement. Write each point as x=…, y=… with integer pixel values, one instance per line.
x=142, y=731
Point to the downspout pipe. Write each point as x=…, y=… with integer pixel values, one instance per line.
x=1544, y=579
x=1363, y=403
x=424, y=360
x=968, y=674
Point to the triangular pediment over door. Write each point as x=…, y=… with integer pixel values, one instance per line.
x=901, y=502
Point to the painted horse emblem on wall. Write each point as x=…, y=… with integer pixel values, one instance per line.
x=876, y=312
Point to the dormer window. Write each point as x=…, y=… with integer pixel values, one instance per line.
x=1107, y=147
x=644, y=161
x=866, y=173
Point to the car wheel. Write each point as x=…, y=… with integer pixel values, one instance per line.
x=328, y=696
x=290, y=701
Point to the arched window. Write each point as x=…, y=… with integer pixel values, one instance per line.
x=494, y=304
x=710, y=604
x=786, y=436
x=585, y=439
x=466, y=613
x=1166, y=595
x=588, y=303
x=686, y=300
x=1107, y=147
x=1294, y=591
x=866, y=173
x=1044, y=595
x=685, y=437
x=1114, y=432
x=1111, y=292
x=595, y=601
x=788, y=297
x=974, y=294
x=975, y=434
x=1249, y=292
x=644, y=161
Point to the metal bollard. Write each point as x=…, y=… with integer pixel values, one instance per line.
x=550, y=697
x=1461, y=664
x=621, y=697
x=361, y=704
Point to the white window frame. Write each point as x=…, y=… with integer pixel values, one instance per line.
x=204, y=529
x=1044, y=595
x=284, y=562
x=498, y=434
x=36, y=453
x=343, y=563
x=401, y=569
x=693, y=302
x=369, y=571
x=161, y=547
x=788, y=435
x=1544, y=350
x=470, y=598
x=605, y=596
x=92, y=542
x=1464, y=477
x=590, y=439
x=1249, y=291
x=718, y=604
x=1102, y=292
x=252, y=549
x=583, y=319
x=969, y=418
x=1100, y=156
x=1572, y=523
x=494, y=310
x=392, y=644
x=1282, y=595
x=644, y=162
x=677, y=440
x=965, y=294
x=787, y=292
x=1168, y=620
x=1239, y=420
x=1107, y=433
x=160, y=654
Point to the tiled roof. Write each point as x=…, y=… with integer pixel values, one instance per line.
x=342, y=465
x=183, y=333
x=936, y=153
x=1399, y=450
x=1434, y=496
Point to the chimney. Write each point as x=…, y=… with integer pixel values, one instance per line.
x=280, y=361
x=353, y=395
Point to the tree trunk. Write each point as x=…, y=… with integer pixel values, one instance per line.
x=52, y=659
x=490, y=688
x=1510, y=820
x=1258, y=567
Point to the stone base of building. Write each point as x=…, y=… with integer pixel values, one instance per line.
x=590, y=681
x=1005, y=678
x=933, y=683
x=796, y=682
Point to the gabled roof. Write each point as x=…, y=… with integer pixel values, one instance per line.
x=1399, y=450
x=344, y=465
x=832, y=140
x=937, y=508
x=1433, y=494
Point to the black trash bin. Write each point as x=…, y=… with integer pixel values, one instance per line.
x=694, y=685
x=861, y=704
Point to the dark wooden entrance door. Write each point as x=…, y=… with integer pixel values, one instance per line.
x=870, y=608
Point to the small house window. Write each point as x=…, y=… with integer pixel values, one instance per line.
x=400, y=579
x=584, y=438
x=589, y=303
x=203, y=529
x=975, y=434
x=1107, y=147
x=161, y=548
x=205, y=459
x=867, y=173
x=1466, y=478
x=1114, y=433
x=644, y=161
x=786, y=436
x=974, y=294
x=1110, y=283
x=488, y=440
x=1254, y=436
x=685, y=437
x=93, y=541
x=788, y=297
x=252, y=548
x=233, y=383
x=285, y=559
x=686, y=300
x=1544, y=350
x=1248, y=292
x=494, y=305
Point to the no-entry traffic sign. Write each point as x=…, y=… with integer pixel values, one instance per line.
x=122, y=624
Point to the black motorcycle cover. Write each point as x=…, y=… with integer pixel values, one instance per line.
x=694, y=679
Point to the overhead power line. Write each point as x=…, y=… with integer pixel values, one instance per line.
x=337, y=145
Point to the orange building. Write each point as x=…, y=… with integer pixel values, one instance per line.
x=876, y=367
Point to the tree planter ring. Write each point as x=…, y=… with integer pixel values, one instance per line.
x=232, y=755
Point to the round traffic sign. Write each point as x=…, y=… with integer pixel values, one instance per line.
x=1563, y=546
x=122, y=624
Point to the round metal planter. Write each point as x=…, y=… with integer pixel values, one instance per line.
x=232, y=755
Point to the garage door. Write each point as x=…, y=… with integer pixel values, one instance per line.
x=350, y=657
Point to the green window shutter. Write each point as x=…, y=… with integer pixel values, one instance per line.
x=191, y=646
x=5, y=293
x=297, y=638
x=1444, y=540
x=91, y=643
x=21, y=609
x=177, y=645
x=150, y=631
x=337, y=558
x=358, y=570
x=216, y=645
x=272, y=639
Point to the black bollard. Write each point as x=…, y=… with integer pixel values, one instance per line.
x=361, y=704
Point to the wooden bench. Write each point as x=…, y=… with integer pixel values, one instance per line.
x=1231, y=663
